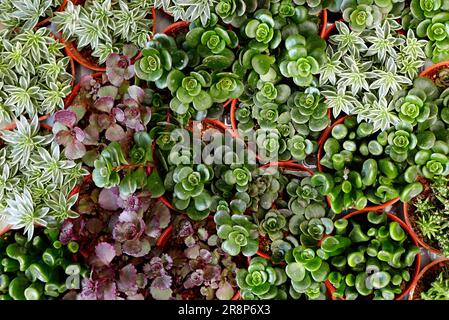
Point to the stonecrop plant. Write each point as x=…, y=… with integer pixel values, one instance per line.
x=104, y=26
x=34, y=75
x=369, y=256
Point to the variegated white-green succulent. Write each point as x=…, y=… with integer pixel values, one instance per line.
x=33, y=75
x=36, y=179
x=26, y=14
x=364, y=71
x=104, y=26
x=187, y=10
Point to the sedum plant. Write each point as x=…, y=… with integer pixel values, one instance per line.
x=37, y=180
x=187, y=10
x=311, y=219
x=105, y=26
x=235, y=12
x=34, y=78
x=361, y=14
x=261, y=281
x=158, y=59
x=366, y=166
x=238, y=234
x=192, y=265
x=39, y=268
x=364, y=71
x=307, y=273
x=26, y=14
x=368, y=257
x=107, y=109
x=430, y=19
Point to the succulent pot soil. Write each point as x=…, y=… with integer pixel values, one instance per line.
x=427, y=275
x=46, y=21
x=414, y=269
x=84, y=57
x=324, y=136
x=410, y=218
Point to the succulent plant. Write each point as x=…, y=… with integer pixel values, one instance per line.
x=104, y=26
x=261, y=281
x=353, y=146
x=438, y=288
x=161, y=56
x=261, y=29
x=307, y=273
x=309, y=108
x=274, y=223
x=234, y=12
x=238, y=233
x=39, y=268
x=303, y=58
x=368, y=257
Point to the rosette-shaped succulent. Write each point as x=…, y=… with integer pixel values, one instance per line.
x=302, y=58
x=309, y=108
x=307, y=272
x=433, y=161
x=234, y=12
x=267, y=117
x=261, y=281
x=239, y=177
x=238, y=233
x=265, y=187
x=300, y=147
x=189, y=91
x=212, y=45
x=422, y=9
x=262, y=29
x=402, y=141
x=363, y=14
x=270, y=92
x=435, y=29
x=269, y=144
x=275, y=223
x=159, y=58
x=311, y=219
x=226, y=85
x=189, y=192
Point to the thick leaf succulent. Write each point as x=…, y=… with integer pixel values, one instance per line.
x=238, y=233
x=261, y=281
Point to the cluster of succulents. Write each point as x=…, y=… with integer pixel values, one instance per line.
x=219, y=158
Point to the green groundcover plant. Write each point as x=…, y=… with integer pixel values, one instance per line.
x=438, y=288
x=369, y=257
x=39, y=268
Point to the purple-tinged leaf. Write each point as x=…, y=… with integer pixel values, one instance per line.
x=108, y=199
x=75, y=150
x=105, y=252
x=118, y=114
x=108, y=91
x=87, y=81
x=195, y=279
x=160, y=294
x=130, y=50
x=162, y=282
x=132, y=103
x=89, y=289
x=225, y=292
x=104, y=104
x=137, y=296
x=127, y=282
x=136, y=93
x=192, y=252
x=110, y=291
x=79, y=134
x=136, y=248
x=205, y=256
x=64, y=137
x=115, y=133
x=66, y=117
x=129, y=72
x=92, y=135
x=104, y=121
